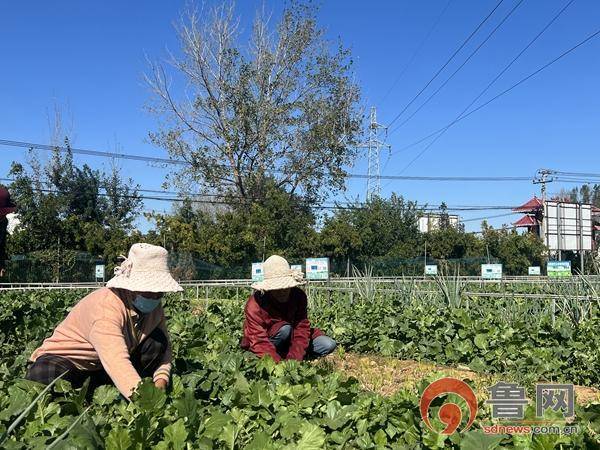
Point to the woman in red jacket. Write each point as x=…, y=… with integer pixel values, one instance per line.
x=276, y=321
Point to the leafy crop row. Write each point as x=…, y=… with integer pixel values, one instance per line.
x=222, y=397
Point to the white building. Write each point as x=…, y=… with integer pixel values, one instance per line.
x=431, y=222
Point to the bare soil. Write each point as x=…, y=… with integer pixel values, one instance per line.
x=386, y=376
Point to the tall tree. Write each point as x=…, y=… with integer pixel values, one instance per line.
x=382, y=227
x=515, y=251
x=584, y=194
x=279, y=105
x=65, y=209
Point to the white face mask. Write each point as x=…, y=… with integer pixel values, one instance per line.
x=146, y=305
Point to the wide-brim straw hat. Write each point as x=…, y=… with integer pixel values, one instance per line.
x=7, y=206
x=146, y=269
x=278, y=275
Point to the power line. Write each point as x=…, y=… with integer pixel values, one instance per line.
x=491, y=83
x=575, y=180
x=149, y=191
x=91, y=152
x=99, y=153
x=344, y=205
x=504, y=19
x=506, y=91
x=489, y=217
x=447, y=62
x=576, y=174
x=417, y=50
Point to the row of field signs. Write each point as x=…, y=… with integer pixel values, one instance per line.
x=316, y=269
x=555, y=269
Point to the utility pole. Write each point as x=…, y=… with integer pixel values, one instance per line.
x=58, y=261
x=374, y=146
x=542, y=177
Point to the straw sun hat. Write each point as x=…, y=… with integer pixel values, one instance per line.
x=278, y=275
x=146, y=269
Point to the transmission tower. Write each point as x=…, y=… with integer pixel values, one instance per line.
x=374, y=146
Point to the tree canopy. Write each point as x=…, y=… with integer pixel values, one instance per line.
x=278, y=107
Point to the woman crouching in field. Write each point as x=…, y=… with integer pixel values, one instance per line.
x=276, y=321
x=116, y=334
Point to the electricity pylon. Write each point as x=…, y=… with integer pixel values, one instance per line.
x=374, y=146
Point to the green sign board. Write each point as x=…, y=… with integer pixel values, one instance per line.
x=317, y=268
x=559, y=269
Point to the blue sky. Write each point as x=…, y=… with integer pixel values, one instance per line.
x=89, y=58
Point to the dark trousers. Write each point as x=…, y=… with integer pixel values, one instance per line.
x=317, y=347
x=145, y=359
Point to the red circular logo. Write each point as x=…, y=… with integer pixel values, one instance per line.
x=449, y=414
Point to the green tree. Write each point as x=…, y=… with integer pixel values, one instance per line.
x=451, y=243
x=381, y=228
x=515, y=251
x=277, y=106
x=444, y=220
x=584, y=194
x=65, y=210
x=236, y=235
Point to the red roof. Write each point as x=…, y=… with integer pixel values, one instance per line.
x=532, y=205
x=526, y=221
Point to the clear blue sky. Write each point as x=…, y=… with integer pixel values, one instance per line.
x=89, y=57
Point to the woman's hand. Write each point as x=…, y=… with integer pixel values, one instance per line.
x=161, y=384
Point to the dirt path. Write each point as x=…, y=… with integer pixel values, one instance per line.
x=386, y=376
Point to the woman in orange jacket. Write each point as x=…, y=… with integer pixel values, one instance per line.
x=116, y=334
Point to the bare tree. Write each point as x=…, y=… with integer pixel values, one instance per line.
x=282, y=107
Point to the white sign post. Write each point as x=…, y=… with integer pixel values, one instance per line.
x=534, y=270
x=317, y=268
x=257, y=272
x=491, y=271
x=431, y=269
x=100, y=272
x=296, y=267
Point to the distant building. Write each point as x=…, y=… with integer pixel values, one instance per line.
x=432, y=221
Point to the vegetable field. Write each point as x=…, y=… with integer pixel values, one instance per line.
x=222, y=397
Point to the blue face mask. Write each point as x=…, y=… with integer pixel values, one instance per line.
x=146, y=305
